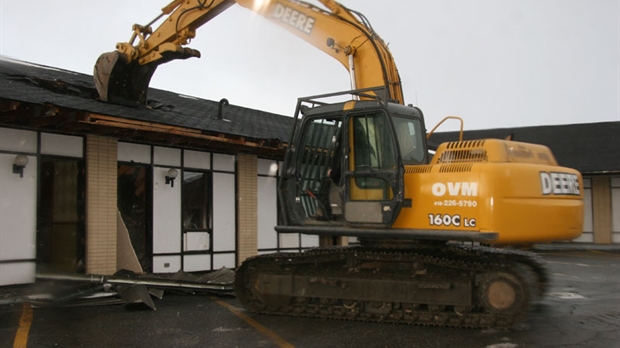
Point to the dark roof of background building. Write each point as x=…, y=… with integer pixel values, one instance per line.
x=39, y=84
x=590, y=147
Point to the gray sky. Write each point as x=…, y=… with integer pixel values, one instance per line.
x=496, y=63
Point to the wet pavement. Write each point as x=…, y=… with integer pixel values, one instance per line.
x=581, y=309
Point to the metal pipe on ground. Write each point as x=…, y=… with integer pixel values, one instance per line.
x=106, y=279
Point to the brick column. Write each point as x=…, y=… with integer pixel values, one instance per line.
x=101, y=204
x=247, y=216
x=601, y=209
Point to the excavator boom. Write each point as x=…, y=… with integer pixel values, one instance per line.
x=123, y=76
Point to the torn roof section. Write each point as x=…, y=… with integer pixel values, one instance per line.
x=47, y=98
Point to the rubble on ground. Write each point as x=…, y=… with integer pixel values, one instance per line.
x=125, y=287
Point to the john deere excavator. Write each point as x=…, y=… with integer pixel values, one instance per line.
x=361, y=168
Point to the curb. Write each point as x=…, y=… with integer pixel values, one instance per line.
x=576, y=247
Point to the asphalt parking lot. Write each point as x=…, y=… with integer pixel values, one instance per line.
x=581, y=309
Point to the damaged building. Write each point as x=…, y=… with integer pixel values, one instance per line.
x=179, y=184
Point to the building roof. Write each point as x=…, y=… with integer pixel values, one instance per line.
x=591, y=148
x=61, y=91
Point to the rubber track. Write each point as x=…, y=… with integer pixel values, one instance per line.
x=526, y=266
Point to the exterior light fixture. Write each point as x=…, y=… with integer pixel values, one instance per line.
x=19, y=164
x=171, y=174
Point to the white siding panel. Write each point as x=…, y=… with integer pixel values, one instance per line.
x=137, y=153
x=588, y=225
x=62, y=145
x=166, y=156
x=166, y=264
x=289, y=240
x=588, y=228
x=267, y=213
x=309, y=241
x=225, y=163
x=224, y=214
x=196, y=159
x=615, y=211
x=195, y=263
x=196, y=241
x=18, y=210
x=267, y=167
x=166, y=214
x=17, y=273
x=18, y=140
x=224, y=260
x=586, y=237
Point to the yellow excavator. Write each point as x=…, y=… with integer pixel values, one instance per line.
x=428, y=226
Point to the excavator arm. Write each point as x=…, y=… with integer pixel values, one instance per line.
x=123, y=76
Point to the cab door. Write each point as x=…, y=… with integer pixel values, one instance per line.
x=305, y=170
x=373, y=179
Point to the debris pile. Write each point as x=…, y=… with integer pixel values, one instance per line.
x=126, y=287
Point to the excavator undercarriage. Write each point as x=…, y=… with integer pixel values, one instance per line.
x=451, y=285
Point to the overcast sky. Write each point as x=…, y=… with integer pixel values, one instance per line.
x=496, y=63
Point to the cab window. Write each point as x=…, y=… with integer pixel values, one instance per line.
x=410, y=139
x=372, y=143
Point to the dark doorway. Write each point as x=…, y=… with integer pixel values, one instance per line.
x=133, y=199
x=61, y=211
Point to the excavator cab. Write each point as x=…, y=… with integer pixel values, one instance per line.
x=344, y=166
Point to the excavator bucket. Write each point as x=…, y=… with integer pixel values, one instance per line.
x=120, y=82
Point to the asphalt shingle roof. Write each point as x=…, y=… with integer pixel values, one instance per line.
x=39, y=84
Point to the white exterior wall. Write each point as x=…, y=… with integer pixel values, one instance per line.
x=196, y=159
x=224, y=219
x=308, y=241
x=166, y=211
x=166, y=222
x=615, y=210
x=169, y=242
x=224, y=212
x=587, y=236
x=18, y=204
x=267, y=204
x=62, y=145
x=267, y=213
x=17, y=140
x=18, y=218
x=195, y=263
x=224, y=163
x=137, y=153
x=268, y=239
